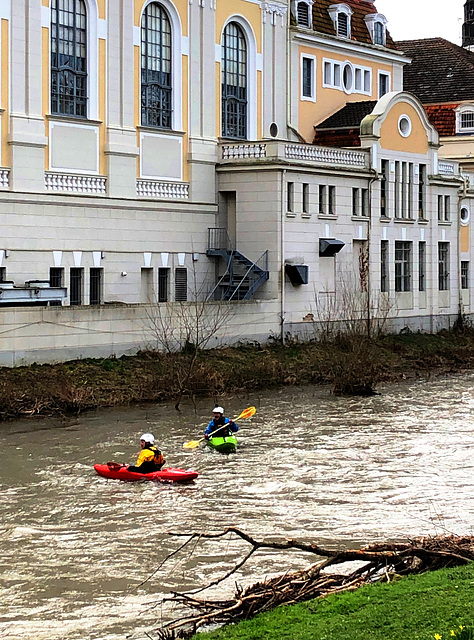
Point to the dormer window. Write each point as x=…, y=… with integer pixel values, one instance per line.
x=465, y=118
x=303, y=14
x=341, y=17
x=377, y=26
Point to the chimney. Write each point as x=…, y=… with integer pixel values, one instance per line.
x=468, y=26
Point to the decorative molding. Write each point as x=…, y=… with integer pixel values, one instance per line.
x=326, y=155
x=240, y=151
x=70, y=183
x=275, y=11
x=160, y=189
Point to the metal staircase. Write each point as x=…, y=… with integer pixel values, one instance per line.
x=242, y=277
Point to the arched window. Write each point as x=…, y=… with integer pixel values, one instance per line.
x=234, y=82
x=379, y=33
x=156, y=54
x=69, y=58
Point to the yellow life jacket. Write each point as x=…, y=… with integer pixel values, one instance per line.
x=150, y=454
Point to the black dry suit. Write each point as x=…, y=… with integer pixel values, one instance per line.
x=219, y=428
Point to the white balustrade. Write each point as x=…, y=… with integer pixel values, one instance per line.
x=4, y=178
x=243, y=151
x=158, y=189
x=70, y=183
x=326, y=155
x=446, y=168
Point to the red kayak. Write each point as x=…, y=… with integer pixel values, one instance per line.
x=118, y=472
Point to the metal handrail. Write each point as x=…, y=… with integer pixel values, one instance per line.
x=254, y=264
x=218, y=238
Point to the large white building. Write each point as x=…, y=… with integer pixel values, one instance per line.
x=160, y=152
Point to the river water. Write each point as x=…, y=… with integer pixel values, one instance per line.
x=75, y=548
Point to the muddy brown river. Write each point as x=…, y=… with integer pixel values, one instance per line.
x=75, y=548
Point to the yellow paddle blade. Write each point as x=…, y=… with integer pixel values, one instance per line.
x=192, y=444
x=247, y=413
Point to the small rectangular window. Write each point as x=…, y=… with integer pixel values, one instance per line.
x=327, y=74
x=447, y=208
x=75, y=286
x=440, y=208
x=364, y=202
x=367, y=81
x=332, y=200
x=56, y=275
x=181, y=284
x=163, y=284
x=443, y=266
x=384, y=266
x=322, y=205
x=95, y=286
x=305, y=197
x=422, y=266
x=308, y=78
x=355, y=201
x=464, y=274
x=290, y=197
x=3, y=274
x=466, y=120
x=337, y=75
x=384, y=83
x=358, y=79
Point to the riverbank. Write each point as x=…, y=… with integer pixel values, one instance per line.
x=418, y=607
x=350, y=364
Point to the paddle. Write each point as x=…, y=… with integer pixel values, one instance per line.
x=246, y=413
x=115, y=466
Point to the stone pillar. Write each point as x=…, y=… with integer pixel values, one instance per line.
x=121, y=148
x=27, y=134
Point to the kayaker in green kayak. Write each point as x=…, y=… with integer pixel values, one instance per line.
x=220, y=426
x=150, y=458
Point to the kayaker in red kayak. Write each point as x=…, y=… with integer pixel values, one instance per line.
x=150, y=457
x=220, y=426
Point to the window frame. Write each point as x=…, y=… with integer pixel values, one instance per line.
x=337, y=10
x=228, y=97
x=333, y=77
x=80, y=103
x=384, y=266
x=443, y=266
x=465, y=109
x=388, y=76
x=96, y=286
x=464, y=270
x=403, y=260
x=178, y=296
x=308, y=24
x=306, y=57
x=422, y=266
x=76, y=274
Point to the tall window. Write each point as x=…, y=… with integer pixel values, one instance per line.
x=422, y=266
x=384, y=265
x=464, y=274
x=69, y=58
x=75, y=286
x=443, y=266
x=95, y=286
x=384, y=189
x=156, y=86
x=234, y=82
x=402, y=266
x=163, y=284
x=181, y=284
x=422, y=192
x=379, y=33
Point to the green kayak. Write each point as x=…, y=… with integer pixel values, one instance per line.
x=228, y=444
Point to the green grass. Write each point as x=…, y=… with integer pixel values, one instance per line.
x=413, y=608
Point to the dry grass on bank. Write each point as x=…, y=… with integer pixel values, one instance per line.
x=352, y=365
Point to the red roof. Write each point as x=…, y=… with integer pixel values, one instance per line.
x=323, y=23
x=443, y=118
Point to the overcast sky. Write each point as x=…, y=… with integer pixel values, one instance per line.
x=414, y=19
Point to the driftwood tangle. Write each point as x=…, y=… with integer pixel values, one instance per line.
x=383, y=561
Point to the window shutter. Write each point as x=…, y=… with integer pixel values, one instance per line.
x=342, y=25
x=181, y=285
x=303, y=14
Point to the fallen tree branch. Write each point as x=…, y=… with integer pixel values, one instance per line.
x=381, y=562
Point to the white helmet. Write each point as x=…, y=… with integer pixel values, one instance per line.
x=218, y=410
x=148, y=437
